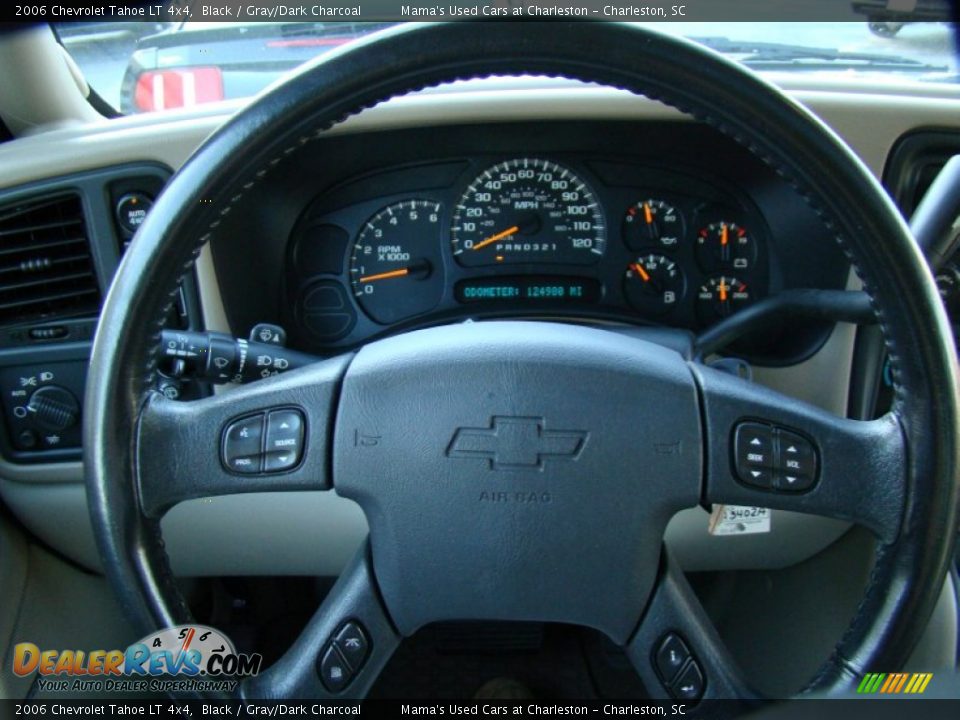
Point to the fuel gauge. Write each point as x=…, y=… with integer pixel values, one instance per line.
x=654, y=284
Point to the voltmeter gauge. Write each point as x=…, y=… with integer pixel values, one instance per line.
x=725, y=246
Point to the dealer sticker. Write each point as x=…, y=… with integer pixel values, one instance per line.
x=738, y=520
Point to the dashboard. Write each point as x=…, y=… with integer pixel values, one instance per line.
x=669, y=225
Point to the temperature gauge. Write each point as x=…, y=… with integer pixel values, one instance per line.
x=654, y=284
x=652, y=223
x=725, y=246
x=720, y=297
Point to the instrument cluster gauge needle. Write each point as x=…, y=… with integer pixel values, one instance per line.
x=641, y=272
x=418, y=270
x=498, y=236
x=652, y=228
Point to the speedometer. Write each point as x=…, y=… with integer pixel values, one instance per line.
x=528, y=211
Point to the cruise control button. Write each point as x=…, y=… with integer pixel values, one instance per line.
x=690, y=684
x=671, y=656
x=334, y=672
x=352, y=644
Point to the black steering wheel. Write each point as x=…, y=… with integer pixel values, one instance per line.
x=472, y=423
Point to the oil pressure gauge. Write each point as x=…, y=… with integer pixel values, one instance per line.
x=652, y=223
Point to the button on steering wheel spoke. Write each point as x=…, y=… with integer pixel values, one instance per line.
x=765, y=449
x=266, y=436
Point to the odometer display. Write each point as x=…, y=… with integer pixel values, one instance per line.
x=528, y=289
x=528, y=211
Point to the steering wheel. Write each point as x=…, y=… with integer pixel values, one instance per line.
x=520, y=470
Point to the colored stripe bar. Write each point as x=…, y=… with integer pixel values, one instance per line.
x=894, y=683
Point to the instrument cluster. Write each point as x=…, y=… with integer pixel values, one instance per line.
x=533, y=236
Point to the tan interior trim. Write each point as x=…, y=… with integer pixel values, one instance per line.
x=869, y=122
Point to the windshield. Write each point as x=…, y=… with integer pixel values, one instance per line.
x=154, y=66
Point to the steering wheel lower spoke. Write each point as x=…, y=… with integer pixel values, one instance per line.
x=343, y=648
x=267, y=436
x=768, y=450
x=677, y=651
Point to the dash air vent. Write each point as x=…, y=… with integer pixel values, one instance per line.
x=46, y=270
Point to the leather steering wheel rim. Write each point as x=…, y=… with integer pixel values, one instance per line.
x=910, y=566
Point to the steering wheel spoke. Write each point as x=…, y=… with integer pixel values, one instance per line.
x=765, y=449
x=343, y=648
x=267, y=436
x=678, y=653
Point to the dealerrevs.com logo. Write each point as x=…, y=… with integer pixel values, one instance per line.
x=186, y=657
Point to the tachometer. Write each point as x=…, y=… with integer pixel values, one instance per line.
x=528, y=211
x=394, y=266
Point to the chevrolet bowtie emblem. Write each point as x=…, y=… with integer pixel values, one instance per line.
x=512, y=443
